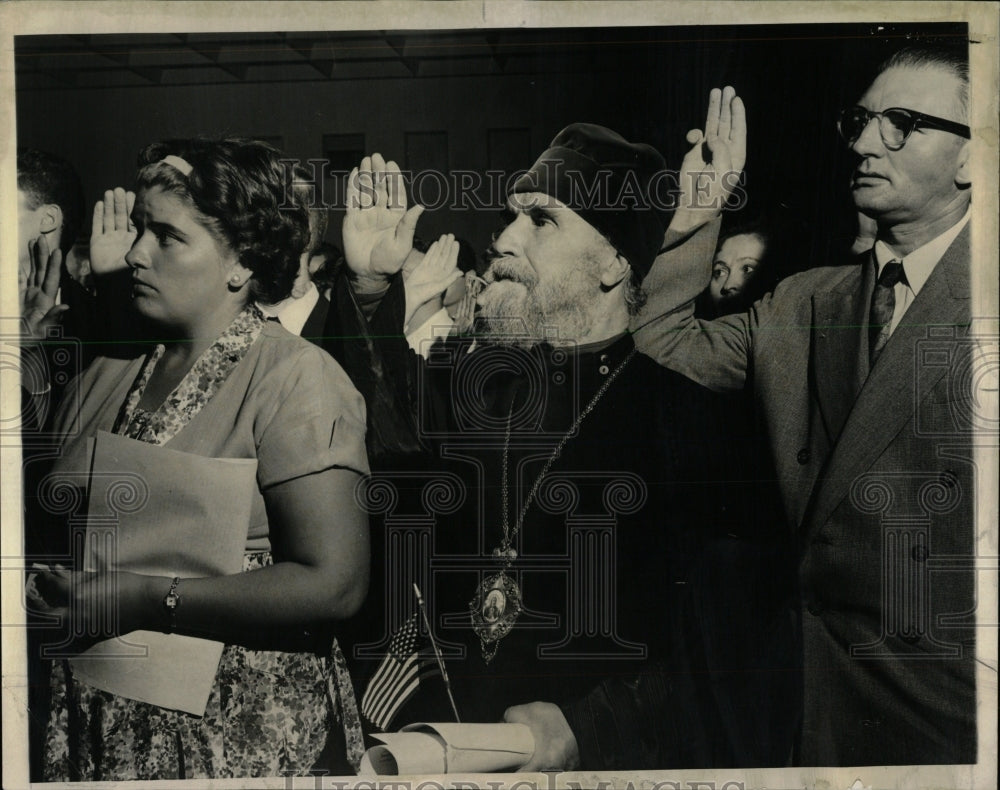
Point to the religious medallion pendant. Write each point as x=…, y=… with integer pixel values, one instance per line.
x=494, y=609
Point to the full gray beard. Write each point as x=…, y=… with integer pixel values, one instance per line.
x=519, y=315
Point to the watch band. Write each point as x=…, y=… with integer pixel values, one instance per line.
x=170, y=603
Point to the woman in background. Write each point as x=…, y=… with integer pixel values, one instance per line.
x=742, y=271
x=210, y=237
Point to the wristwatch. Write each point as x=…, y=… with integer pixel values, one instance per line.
x=170, y=603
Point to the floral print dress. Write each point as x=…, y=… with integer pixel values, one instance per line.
x=270, y=713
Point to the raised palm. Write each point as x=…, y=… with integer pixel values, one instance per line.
x=378, y=227
x=711, y=169
x=39, y=311
x=112, y=233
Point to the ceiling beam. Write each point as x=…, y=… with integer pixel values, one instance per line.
x=213, y=54
x=493, y=42
x=306, y=49
x=398, y=45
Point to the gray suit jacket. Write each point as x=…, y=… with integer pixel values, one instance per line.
x=877, y=481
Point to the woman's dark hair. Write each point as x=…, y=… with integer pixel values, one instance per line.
x=755, y=227
x=767, y=274
x=242, y=190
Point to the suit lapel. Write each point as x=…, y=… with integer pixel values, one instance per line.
x=839, y=355
x=312, y=329
x=887, y=401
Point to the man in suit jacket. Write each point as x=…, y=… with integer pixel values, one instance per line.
x=861, y=381
x=303, y=315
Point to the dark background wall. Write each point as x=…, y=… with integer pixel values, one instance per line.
x=466, y=100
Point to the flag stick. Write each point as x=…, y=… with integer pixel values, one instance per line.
x=437, y=652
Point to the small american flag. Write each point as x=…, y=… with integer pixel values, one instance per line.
x=398, y=676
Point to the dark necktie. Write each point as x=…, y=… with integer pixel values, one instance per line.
x=883, y=305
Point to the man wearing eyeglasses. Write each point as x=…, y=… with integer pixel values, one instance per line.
x=861, y=375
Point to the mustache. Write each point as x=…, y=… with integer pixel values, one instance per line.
x=503, y=268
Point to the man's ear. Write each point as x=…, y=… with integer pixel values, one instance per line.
x=614, y=270
x=963, y=176
x=50, y=217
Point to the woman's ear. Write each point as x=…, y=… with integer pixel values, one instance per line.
x=238, y=276
x=614, y=270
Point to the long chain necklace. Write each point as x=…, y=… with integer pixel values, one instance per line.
x=498, y=602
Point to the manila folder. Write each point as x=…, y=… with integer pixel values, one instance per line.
x=160, y=512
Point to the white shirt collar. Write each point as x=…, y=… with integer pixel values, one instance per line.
x=919, y=264
x=291, y=312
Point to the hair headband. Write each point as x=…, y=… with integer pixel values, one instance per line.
x=178, y=164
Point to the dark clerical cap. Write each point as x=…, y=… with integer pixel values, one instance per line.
x=610, y=182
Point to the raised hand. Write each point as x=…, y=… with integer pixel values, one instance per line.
x=711, y=170
x=112, y=233
x=39, y=310
x=432, y=275
x=378, y=227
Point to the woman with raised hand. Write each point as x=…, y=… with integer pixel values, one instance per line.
x=210, y=233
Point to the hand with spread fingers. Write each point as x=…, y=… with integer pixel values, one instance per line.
x=39, y=311
x=378, y=226
x=711, y=170
x=112, y=233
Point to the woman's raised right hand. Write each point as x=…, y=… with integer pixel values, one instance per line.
x=112, y=232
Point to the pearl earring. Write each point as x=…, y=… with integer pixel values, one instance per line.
x=235, y=280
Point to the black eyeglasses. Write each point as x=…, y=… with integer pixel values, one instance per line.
x=895, y=125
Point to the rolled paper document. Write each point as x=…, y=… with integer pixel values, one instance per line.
x=450, y=748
